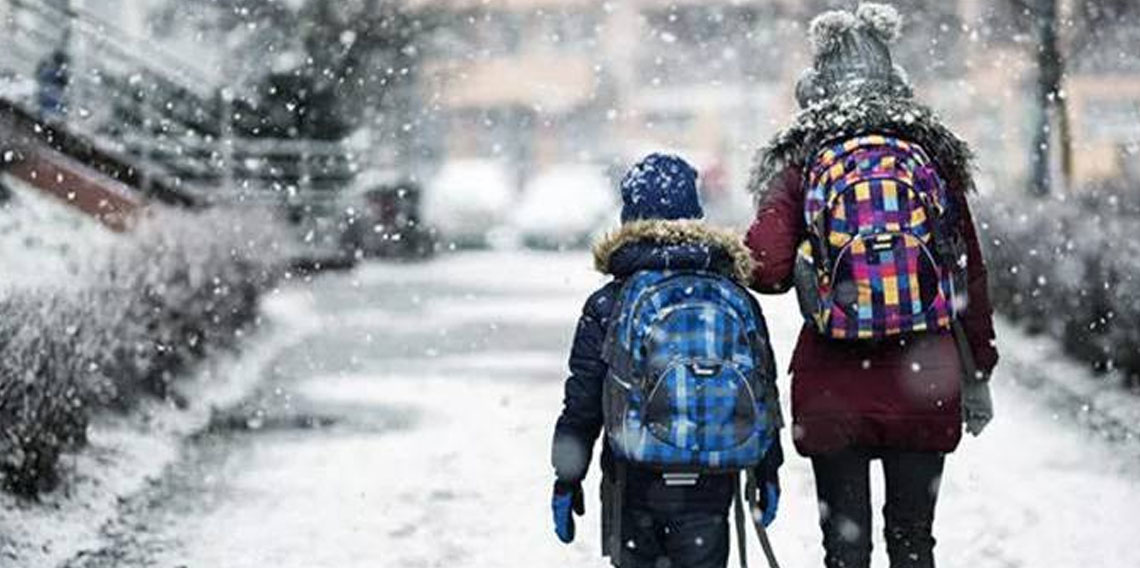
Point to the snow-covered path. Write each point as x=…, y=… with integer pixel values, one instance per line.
x=437, y=386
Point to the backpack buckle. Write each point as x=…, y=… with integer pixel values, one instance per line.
x=883, y=242
x=706, y=368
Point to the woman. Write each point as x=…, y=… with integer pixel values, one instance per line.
x=902, y=399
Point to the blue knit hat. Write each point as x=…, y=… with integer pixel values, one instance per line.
x=661, y=186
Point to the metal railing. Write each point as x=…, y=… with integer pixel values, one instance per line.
x=171, y=121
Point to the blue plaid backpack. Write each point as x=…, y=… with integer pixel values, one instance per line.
x=691, y=383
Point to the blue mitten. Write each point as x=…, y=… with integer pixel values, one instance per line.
x=769, y=502
x=567, y=500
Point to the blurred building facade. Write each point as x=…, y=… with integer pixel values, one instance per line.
x=553, y=81
x=537, y=82
x=990, y=97
x=540, y=82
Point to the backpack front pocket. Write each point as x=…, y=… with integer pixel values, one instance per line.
x=885, y=284
x=701, y=406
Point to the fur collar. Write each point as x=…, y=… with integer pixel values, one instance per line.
x=676, y=233
x=847, y=116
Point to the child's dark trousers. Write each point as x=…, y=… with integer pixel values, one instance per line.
x=697, y=539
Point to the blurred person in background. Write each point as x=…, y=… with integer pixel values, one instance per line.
x=52, y=79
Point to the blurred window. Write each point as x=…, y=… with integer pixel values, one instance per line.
x=573, y=135
x=709, y=44
x=931, y=46
x=501, y=132
x=1112, y=120
x=669, y=125
x=479, y=34
x=571, y=29
x=1006, y=22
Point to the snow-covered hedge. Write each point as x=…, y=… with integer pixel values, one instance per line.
x=178, y=287
x=1070, y=268
x=42, y=388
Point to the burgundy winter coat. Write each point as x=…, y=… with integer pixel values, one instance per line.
x=901, y=395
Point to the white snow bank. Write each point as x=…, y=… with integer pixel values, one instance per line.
x=140, y=294
x=44, y=242
x=1039, y=363
x=127, y=453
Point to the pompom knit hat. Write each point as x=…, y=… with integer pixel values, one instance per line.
x=660, y=187
x=851, y=53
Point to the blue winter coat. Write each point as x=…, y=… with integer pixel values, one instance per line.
x=643, y=245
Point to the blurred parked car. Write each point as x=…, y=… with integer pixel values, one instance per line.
x=564, y=206
x=385, y=222
x=467, y=201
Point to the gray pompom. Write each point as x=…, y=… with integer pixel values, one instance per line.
x=882, y=20
x=827, y=30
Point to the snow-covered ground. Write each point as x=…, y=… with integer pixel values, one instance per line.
x=44, y=242
x=435, y=387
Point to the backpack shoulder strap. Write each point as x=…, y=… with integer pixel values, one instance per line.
x=738, y=517
x=613, y=501
x=612, y=354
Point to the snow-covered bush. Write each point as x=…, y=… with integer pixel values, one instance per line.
x=42, y=388
x=157, y=302
x=185, y=284
x=1070, y=268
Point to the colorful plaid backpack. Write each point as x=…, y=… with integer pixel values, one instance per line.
x=691, y=382
x=883, y=254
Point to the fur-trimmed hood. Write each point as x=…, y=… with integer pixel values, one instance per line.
x=849, y=116
x=661, y=244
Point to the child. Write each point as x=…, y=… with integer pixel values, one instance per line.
x=862, y=202
x=672, y=358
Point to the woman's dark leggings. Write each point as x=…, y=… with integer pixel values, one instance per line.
x=842, y=481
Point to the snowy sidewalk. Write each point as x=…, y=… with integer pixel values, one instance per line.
x=446, y=378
